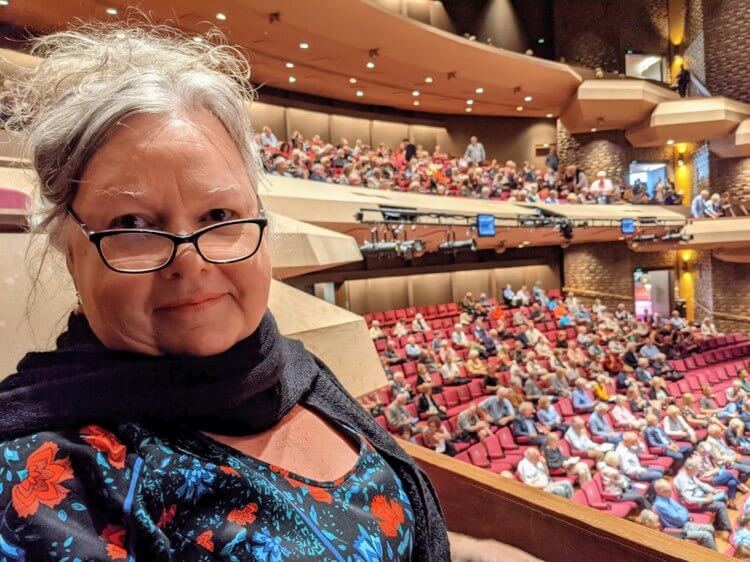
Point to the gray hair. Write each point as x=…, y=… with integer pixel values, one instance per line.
x=93, y=77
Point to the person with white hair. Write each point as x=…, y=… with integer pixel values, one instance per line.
x=693, y=491
x=699, y=205
x=630, y=464
x=458, y=337
x=419, y=324
x=673, y=515
x=615, y=482
x=533, y=471
x=601, y=188
x=623, y=416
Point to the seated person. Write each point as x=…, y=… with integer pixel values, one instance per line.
x=532, y=470
x=559, y=385
x=658, y=393
x=399, y=418
x=735, y=435
x=691, y=490
x=438, y=438
x=672, y=515
x=499, y=408
x=582, y=402
x=474, y=422
x=419, y=324
x=689, y=412
x=474, y=365
x=424, y=376
x=371, y=402
x=426, y=403
x=624, y=417
x=630, y=464
x=458, y=337
x=615, y=482
x=600, y=426
x=547, y=414
x=531, y=388
x=412, y=349
x=707, y=404
x=375, y=331
x=741, y=537
x=642, y=374
x=717, y=475
x=677, y=427
x=579, y=440
x=491, y=380
x=508, y=295
x=623, y=379
x=600, y=389
x=399, y=330
x=390, y=354
x=723, y=454
x=468, y=303
x=656, y=437
x=556, y=458
x=399, y=385
x=663, y=369
x=452, y=374
x=524, y=426
x=637, y=403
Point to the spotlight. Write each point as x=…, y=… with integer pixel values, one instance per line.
x=452, y=246
x=378, y=247
x=370, y=65
x=411, y=249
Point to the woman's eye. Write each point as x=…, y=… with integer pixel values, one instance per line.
x=129, y=221
x=219, y=215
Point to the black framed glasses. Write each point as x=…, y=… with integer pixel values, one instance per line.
x=142, y=250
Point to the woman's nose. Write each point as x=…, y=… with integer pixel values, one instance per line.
x=187, y=262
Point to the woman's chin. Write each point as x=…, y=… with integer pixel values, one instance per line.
x=201, y=342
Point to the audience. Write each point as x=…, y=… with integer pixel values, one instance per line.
x=606, y=372
x=410, y=167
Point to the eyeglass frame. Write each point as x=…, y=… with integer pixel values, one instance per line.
x=96, y=236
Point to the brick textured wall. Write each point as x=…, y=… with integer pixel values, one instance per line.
x=694, y=39
x=727, y=47
x=608, y=268
x=704, y=287
x=598, y=32
x=731, y=294
x=606, y=150
x=732, y=175
x=700, y=158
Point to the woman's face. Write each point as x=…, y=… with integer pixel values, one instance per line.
x=174, y=173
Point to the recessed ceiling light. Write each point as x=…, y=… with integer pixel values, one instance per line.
x=3, y=2
x=221, y=16
x=198, y=39
x=519, y=108
x=526, y=242
x=468, y=110
x=370, y=64
x=428, y=79
x=520, y=245
x=292, y=79
x=479, y=90
x=528, y=98
x=415, y=93
x=289, y=65
x=540, y=40
x=550, y=116
x=415, y=102
x=304, y=45
x=546, y=145
x=593, y=129
x=110, y=11
x=360, y=93
x=469, y=102
x=352, y=80
x=670, y=142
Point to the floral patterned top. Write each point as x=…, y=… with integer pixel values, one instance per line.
x=136, y=494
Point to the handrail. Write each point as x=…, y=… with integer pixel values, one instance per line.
x=724, y=315
x=588, y=293
x=479, y=503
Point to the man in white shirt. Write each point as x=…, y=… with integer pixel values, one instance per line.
x=624, y=417
x=721, y=453
x=579, y=440
x=677, y=427
x=630, y=464
x=458, y=337
x=602, y=187
x=375, y=330
x=532, y=470
x=475, y=151
x=693, y=491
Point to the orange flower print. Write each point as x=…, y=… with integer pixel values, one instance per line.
x=206, y=540
x=390, y=514
x=42, y=485
x=244, y=515
x=167, y=516
x=114, y=537
x=319, y=494
x=104, y=441
x=229, y=470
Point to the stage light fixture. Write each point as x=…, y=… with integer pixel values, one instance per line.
x=378, y=247
x=456, y=245
x=411, y=249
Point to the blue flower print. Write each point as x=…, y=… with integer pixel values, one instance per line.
x=269, y=549
x=198, y=480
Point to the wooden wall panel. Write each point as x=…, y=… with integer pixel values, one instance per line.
x=391, y=134
x=268, y=114
x=309, y=123
x=425, y=135
x=477, y=281
x=429, y=289
x=383, y=293
x=351, y=128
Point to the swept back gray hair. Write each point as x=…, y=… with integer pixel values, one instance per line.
x=94, y=76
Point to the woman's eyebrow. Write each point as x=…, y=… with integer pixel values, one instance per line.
x=117, y=191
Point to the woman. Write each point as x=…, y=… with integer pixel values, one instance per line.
x=438, y=438
x=717, y=475
x=426, y=404
x=616, y=483
x=736, y=436
x=173, y=420
x=707, y=404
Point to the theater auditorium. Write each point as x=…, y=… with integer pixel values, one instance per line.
x=375, y=280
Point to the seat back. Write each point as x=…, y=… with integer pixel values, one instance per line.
x=494, y=449
x=451, y=396
x=593, y=495
x=478, y=455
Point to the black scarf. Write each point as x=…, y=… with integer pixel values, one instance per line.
x=246, y=389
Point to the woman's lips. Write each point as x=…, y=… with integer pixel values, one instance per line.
x=192, y=303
